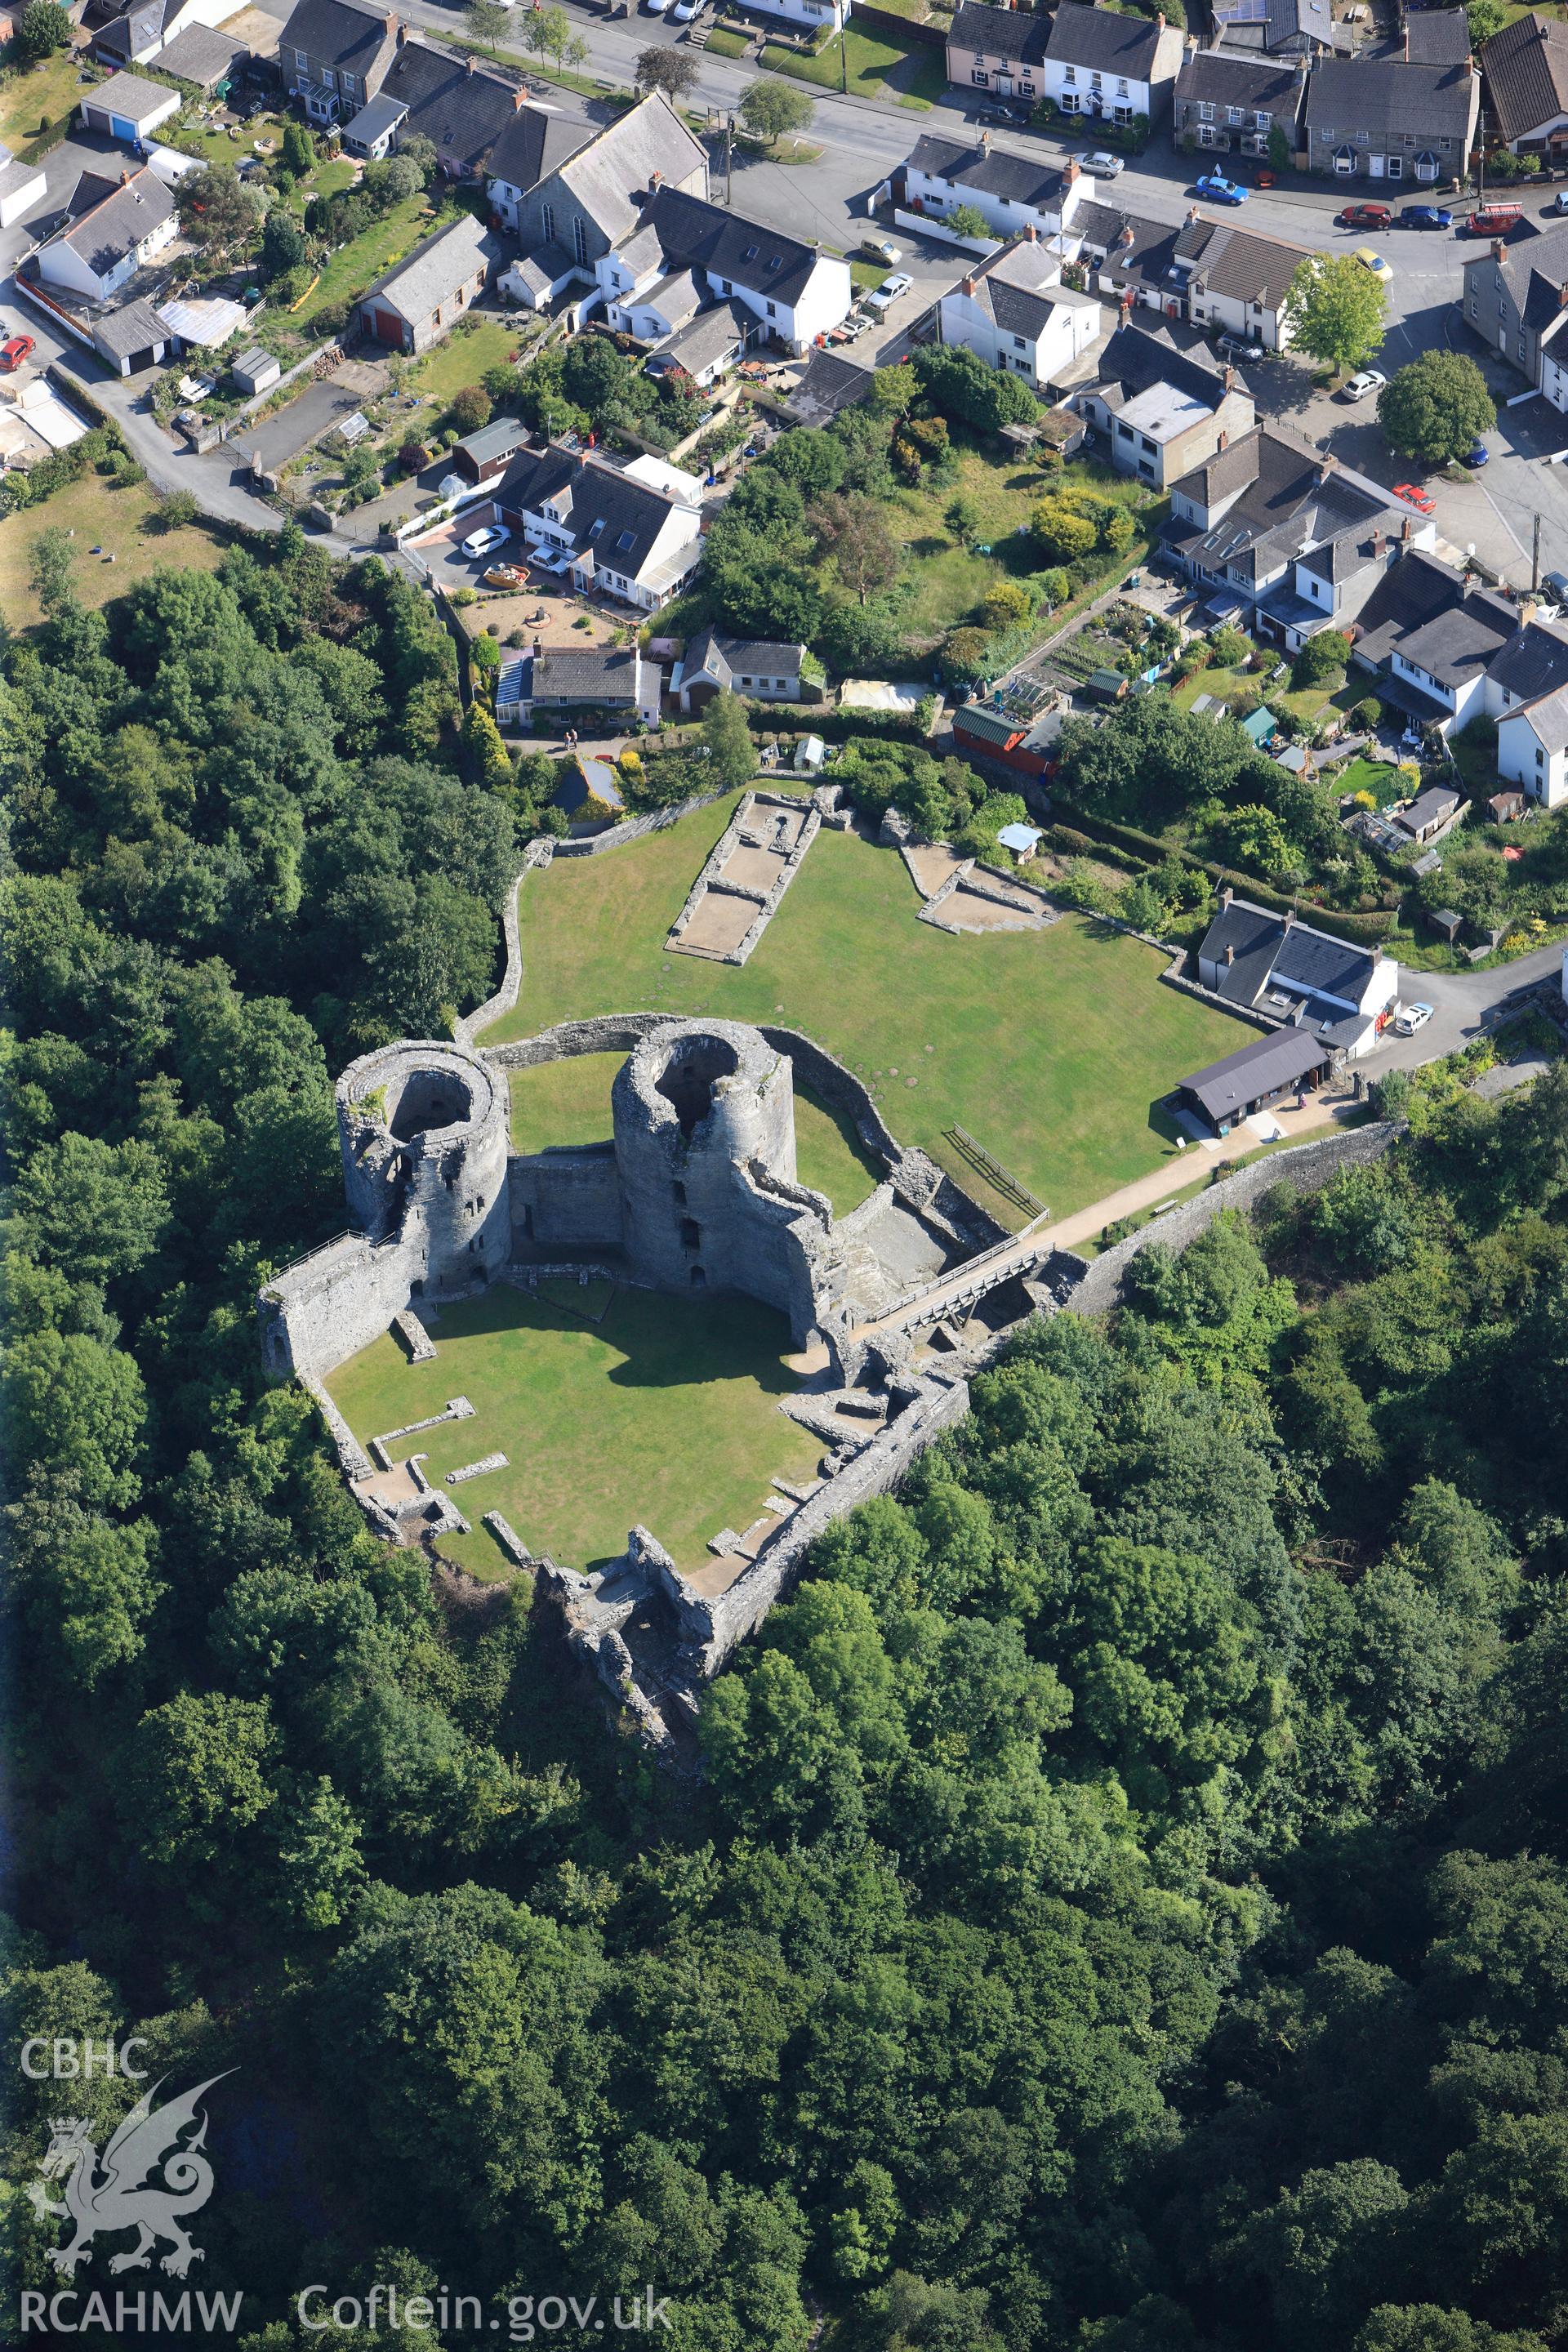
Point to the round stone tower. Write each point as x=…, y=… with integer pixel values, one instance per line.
x=424, y=1130
x=704, y=1128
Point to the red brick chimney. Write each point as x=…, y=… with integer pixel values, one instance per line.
x=1228, y=379
x=1407, y=530
x=1230, y=952
x=1223, y=441
x=969, y=286
x=1498, y=249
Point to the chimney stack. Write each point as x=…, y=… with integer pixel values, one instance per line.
x=1289, y=918
x=1224, y=441
x=1228, y=379
x=1160, y=20
x=1562, y=298
x=1032, y=233
x=1126, y=236
x=519, y=100
x=1192, y=214
x=402, y=31
x=1407, y=530
x=1230, y=951
x=985, y=143
x=1070, y=170
x=1227, y=895
x=969, y=288
x=124, y=178
x=468, y=63
x=1498, y=249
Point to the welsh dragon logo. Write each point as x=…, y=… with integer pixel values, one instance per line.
x=118, y=2192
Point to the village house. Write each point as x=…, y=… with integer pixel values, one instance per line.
x=333, y=56
x=1110, y=69
x=1161, y=411
x=533, y=145
x=1285, y=538
x=1433, y=636
x=119, y=223
x=998, y=50
x=1379, y=118
x=1215, y=275
x=1526, y=71
x=715, y=664
x=1278, y=966
x=1516, y=300
x=687, y=255
x=1013, y=312
x=431, y=92
x=1263, y=1071
x=1013, y=193
x=1532, y=748
x=1533, y=662
x=134, y=36
x=421, y=299
x=1233, y=103
x=615, y=679
x=625, y=538
x=1430, y=814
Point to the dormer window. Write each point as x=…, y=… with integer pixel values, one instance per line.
x=626, y=538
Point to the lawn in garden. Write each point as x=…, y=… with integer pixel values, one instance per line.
x=356, y=265
x=1373, y=776
x=1052, y=1048
x=463, y=356
x=568, y=1102
x=115, y=519
x=39, y=96
x=664, y=1413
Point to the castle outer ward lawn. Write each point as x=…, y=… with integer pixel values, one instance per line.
x=1050, y=1048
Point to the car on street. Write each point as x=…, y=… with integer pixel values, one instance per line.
x=1242, y=350
x=11, y=354
x=1559, y=204
x=685, y=10
x=1216, y=189
x=1369, y=380
x=1370, y=259
x=882, y=250
x=1478, y=455
x=1556, y=583
x=656, y=7
x=488, y=535
x=1411, y=1018
x=1102, y=164
x=1496, y=220
x=1426, y=216
x=1415, y=496
x=883, y=296
x=1364, y=216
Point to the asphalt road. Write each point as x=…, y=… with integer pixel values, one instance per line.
x=1466, y=1004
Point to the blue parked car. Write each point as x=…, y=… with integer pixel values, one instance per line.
x=1478, y=455
x=1426, y=216
x=1219, y=191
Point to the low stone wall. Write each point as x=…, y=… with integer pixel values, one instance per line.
x=713, y=879
x=1306, y=1166
x=637, y=828
x=330, y=1305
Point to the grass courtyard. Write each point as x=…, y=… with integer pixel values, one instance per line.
x=1050, y=1048
x=664, y=1413
x=35, y=97
x=569, y=1103
x=872, y=66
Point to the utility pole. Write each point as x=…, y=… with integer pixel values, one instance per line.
x=844, y=51
x=1535, y=558
x=729, y=160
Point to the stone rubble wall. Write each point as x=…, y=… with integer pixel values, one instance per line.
x=741, y=828
x=332, y=1304
x=567, y=1199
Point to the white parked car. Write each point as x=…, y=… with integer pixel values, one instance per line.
x=1102, y=164
x=882, y=250
x=480, y=542
x=684, y=10
x=1411, y=1018
x=656, y=7
x=888, y=292
x=1369, y=380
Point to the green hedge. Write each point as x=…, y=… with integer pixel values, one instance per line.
x=1362, y=930
x=833, y=726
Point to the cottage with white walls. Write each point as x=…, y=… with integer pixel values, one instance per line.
x=1013, y=312
x=1110, y=69
x=1533, y=748
x=120, y=223
x=1013, y=194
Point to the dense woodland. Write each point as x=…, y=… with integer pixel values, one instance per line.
x=1126, y=1909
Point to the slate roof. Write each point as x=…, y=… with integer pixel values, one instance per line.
x=1437, y=36
x=1289, y=503
x=1239, y=263
x=1533, y=662
x=201, y=56
x=1309, y=962
x=1216, y=78
x=1534, y=274
x=1262, y=1066
x=534, y=476
x=585, y=492
x=461, y=113
x=1134, y=363
x=712, y=655
x=374, y=120
x=1430, y=807
x=1526, y=66
x=1107, y=44
x=537, y=142
x=1387, y=99
x=1549, y=718
x=1019, y=287
x=340, y=34
x=586, y=674
x=695, y=234
x=136, y=29
x=499, y=440
x=133, y=327
x=708, y=337
x=1461, y=642
x=1017, y=32
x=1412, y=593
x=435, y=270
x=130, y=95
x=1022, y=179
x=611, y=175
x=115, y=221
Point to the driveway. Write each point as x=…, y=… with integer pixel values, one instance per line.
x=1466, y=1004
x=289, y=430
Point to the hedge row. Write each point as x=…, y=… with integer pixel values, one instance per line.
x=833, y=726
x=1362, y=930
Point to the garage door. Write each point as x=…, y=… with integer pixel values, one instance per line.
x=388, y=327
x=119, y=127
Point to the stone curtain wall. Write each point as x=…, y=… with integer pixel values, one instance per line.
x=1306, y=1167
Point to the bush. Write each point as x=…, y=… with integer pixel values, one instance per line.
x=470, y=409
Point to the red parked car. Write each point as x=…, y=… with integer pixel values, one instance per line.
x=13, y=353
x=1364, y=216
x=1415, y=496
